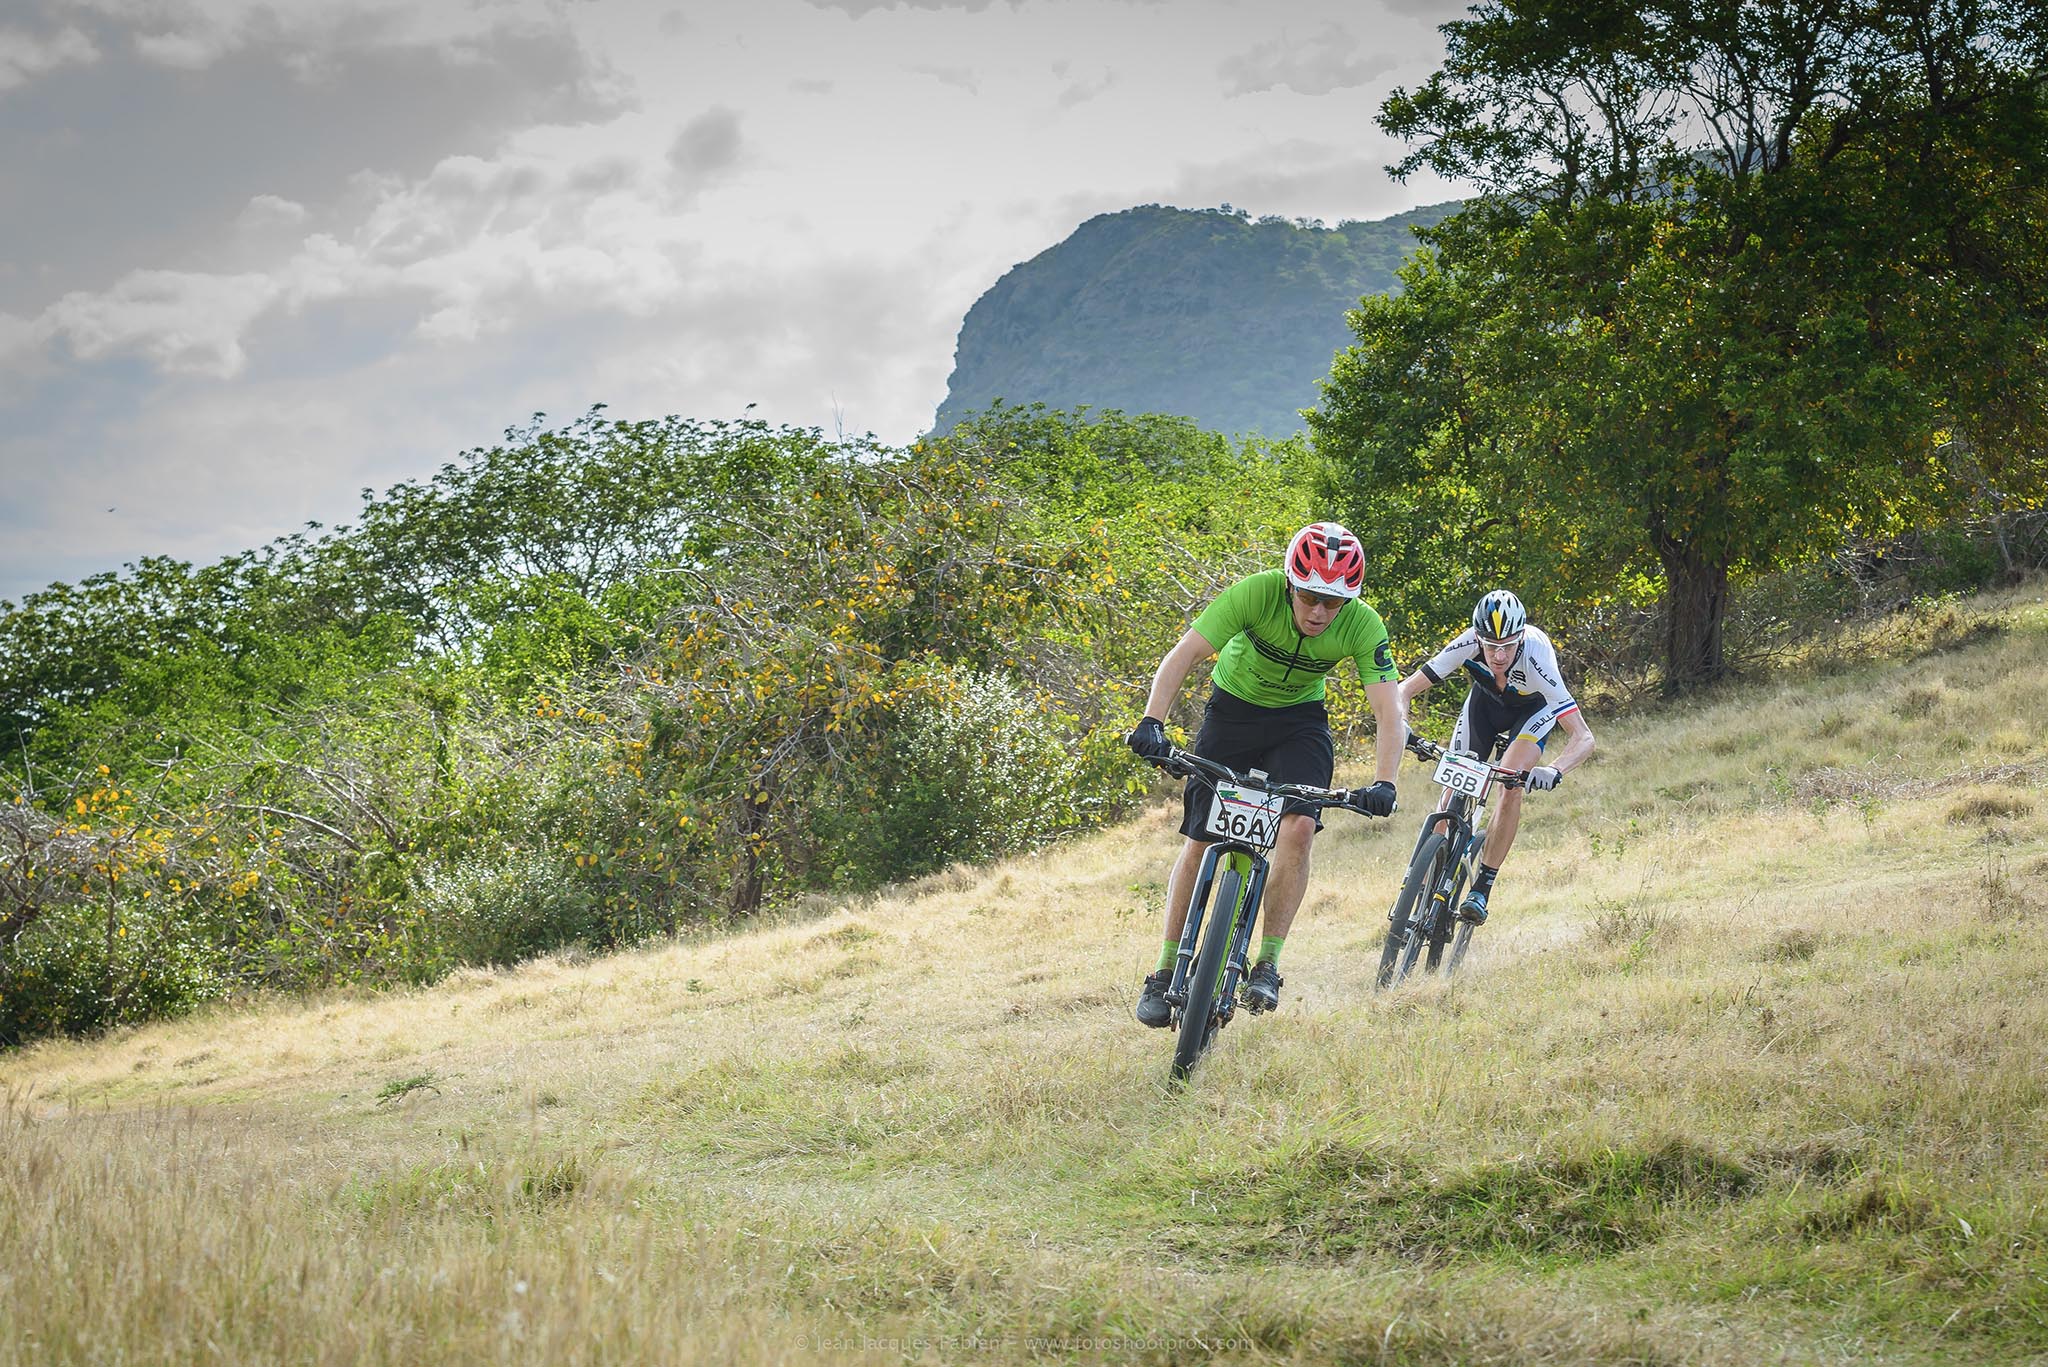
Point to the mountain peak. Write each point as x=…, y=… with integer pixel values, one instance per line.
x=1206, y=313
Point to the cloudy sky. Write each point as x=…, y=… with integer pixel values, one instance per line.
x=257, y=255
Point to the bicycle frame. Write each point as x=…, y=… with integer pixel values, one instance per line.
x=1252, y=867
x=1234, y=870
x=1431, y=910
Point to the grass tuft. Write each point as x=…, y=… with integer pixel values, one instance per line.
x=1989, y=804
x=406, y=1086
x=1795, y=946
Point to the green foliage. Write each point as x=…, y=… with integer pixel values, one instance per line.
x=973, y=765
x=514, y=905
x=597, y=683
x=1634, y=357
x=88, y=967
x=1204, y=313
x=585, y=507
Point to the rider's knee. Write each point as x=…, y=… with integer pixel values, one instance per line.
x=1296, y=830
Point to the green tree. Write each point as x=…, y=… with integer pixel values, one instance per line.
x=1743, y=274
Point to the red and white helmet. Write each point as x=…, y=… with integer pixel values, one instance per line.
x=1325, y=558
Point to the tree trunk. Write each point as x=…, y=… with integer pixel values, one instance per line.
x=750, y=882
x=1695, y=608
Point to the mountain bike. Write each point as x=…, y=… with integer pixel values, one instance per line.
x=1425, y=920
x=1243, y=824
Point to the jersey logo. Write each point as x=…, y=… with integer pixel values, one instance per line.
x=1383, y=655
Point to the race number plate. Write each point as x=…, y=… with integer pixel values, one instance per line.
x=1245, y=815
x=1464, y=774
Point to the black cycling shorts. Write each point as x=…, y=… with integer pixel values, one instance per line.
x=1292, y=744
x=1487, y=725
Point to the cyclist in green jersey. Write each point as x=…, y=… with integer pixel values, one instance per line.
x=1279, y=633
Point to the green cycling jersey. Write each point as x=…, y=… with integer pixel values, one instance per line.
x=1265, y=658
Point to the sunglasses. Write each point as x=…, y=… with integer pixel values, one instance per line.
x=1322, y=600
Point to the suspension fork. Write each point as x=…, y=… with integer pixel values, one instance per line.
x=1252, y=869
x=1251, y=888
x=1458, y=837
x=1191, y=924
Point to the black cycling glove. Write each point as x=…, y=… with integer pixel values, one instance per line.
x=1377, y=800
x=1148, y=740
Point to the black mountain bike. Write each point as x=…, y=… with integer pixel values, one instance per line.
x=1425, y=920
x=1244, y=822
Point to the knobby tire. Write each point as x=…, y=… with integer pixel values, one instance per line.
x=1421, y=879
x=1434, y=877
x=1447, y=919
x=1198, y=1016
x=1463, y=938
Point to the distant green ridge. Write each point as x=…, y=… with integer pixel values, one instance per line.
x=1205, y=313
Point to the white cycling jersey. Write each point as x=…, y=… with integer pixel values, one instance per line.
x=1534, y=695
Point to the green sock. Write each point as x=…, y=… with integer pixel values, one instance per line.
x=1269, y=949
x=1166, y=954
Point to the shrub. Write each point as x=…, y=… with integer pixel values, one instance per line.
x=513, y=904
x=55, y=977
x=976, y=769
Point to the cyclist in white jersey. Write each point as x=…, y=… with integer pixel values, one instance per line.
x=1517, y=699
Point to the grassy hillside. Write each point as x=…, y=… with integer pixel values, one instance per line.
x=1751, y=1066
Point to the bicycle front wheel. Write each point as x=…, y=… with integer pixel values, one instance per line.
x=1396, y=956
x=1443, y=924
x=1198, y=1016
x=1463, y=938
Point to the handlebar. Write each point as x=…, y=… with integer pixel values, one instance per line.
x=1187, y=764
x=1425, y=749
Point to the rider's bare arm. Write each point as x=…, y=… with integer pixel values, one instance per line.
x=1579, y=748
x=1413, y=686
x=1174, y=668
x=1390, y=725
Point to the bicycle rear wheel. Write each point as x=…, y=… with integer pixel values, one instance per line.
x=1397, y=955
x=1459, y=943
x=1198, y=1017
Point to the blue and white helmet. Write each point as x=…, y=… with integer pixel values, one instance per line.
x=1499, y=618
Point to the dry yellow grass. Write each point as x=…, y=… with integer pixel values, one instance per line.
x=1750, y=1066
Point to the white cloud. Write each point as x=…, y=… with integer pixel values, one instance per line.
x=265, y=212
x=382, y=229
x=958, y=77
x=478, y=245
x=1326, y=60
x=24, y=55
x=187, y=323
x=192, y=49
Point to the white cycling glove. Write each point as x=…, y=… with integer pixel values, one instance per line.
x=1545, y=777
